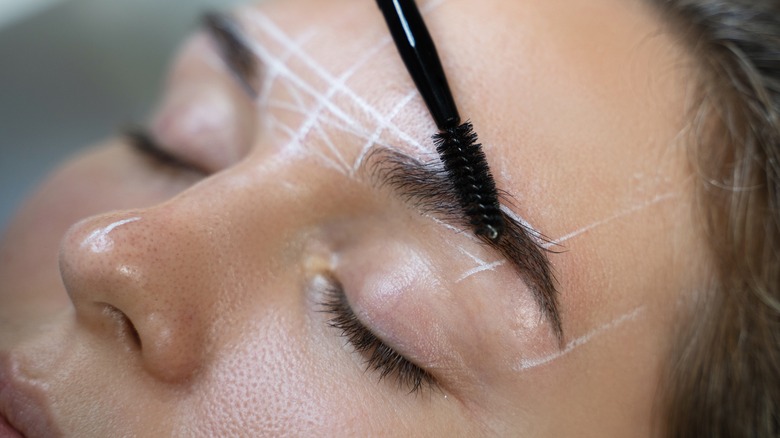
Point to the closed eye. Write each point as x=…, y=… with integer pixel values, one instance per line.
x=379, y=356
x=141, y=141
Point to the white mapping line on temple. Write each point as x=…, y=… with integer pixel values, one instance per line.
x=527, y=364
x=380, y=129
x=482, y=268
x=270, y=27
x=658, y=199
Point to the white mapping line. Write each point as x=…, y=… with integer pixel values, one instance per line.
x=474, y=258
x=269, y=26
x=282, y=69
x=275, y=123
x=332, y=123
x=478, y=269
x=336, y=85
x=273, y=73
x=534, y=232
x=380, y=129
x=332, y=147
x=445, y=225
x=527, y=364
x=658, y=199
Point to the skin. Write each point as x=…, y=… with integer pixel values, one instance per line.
x=579, y=106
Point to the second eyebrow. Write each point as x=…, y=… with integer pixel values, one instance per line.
x=427, y=189
x=227, y=35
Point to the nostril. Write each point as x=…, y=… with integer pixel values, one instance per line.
x=124, y=326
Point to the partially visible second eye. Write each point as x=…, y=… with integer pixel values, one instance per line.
x=141, y=141
x=379, y=356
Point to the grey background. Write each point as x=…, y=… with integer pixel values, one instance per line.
x=73, y=73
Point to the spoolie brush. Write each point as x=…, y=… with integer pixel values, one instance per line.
x=462, y=157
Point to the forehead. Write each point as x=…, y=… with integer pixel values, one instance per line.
x=539, y=79
x=577, y=104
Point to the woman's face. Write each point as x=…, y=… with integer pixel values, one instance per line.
x=214, y=300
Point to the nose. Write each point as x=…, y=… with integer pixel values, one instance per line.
x=142, y=290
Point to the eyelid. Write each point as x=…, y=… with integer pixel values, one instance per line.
x=140, y=140
x=379, y=356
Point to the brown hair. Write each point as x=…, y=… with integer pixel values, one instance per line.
x=724, y=371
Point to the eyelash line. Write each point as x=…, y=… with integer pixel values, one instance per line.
x=144, y=143
x=380, y=357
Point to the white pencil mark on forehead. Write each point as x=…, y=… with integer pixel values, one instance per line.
x=319, y=117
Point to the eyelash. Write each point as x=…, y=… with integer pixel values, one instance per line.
x=143, y=142
x=380, y=357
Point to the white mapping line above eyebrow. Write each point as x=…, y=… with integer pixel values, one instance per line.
x=637, y=208
x=270, y=27
x=527, y=364
x=333, y=88
x=273, y=73
x=282, y=68
x=275, y=123
x=329, y=122
x=380, y=129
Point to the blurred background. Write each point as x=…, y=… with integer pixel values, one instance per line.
x=72, y=71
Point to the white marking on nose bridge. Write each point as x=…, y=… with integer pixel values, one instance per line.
x=637, y=208
x=270, y=27
x=99, y=240
x=380, y=129
x=482, y=268
x=527, y=364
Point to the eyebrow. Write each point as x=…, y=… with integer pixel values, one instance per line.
x=232, y=48
x=425, y=187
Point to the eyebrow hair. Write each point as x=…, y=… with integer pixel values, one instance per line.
x=427, y=188
x=424, y=186
x=234, y=50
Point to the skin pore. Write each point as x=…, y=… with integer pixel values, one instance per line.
x=188, y=302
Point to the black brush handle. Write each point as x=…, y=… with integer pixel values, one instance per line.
x=416, y=47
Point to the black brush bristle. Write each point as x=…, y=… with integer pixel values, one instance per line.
x=467, y=167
